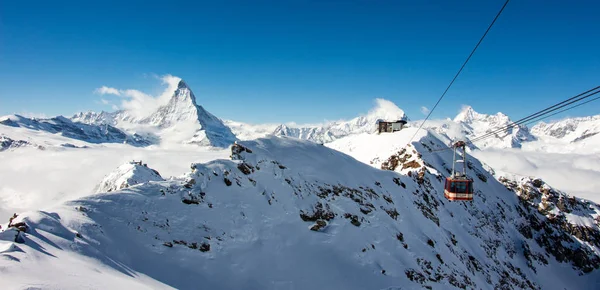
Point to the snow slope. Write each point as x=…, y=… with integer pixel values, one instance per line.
x=291, y=214
x=384, y=110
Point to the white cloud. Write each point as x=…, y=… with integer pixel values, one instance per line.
x=171, y=82
x=386, y=110
x=424, y=110
x=104, y=90
x=138, y=103
x=576, y=174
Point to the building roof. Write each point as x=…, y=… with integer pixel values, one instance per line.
x=396, y=121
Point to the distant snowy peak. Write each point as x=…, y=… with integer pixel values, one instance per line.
x=182, y=107
x=383, y=111
x=469, y=116
x=474, y=124
x=466, y=115
x=180, y=118
x=570, y=129
x=94, y=118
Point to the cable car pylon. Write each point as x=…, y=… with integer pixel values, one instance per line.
x=458, y=185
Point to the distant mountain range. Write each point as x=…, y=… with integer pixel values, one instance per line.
x=182, y=120
x=76, y=130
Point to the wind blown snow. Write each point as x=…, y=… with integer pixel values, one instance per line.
x=387, y=110
x=140, y=104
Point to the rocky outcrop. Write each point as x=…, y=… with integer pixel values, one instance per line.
x=549, y=216
x=11, y=144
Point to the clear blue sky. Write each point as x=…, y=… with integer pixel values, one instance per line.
x=303, y=61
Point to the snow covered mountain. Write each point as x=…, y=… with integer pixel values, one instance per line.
x=290, y=214
x=572, y=130
x=181, y=119
x=469, y=124
x=93, y=118
x=74, y=130
x=466, y=125
x=384, y=110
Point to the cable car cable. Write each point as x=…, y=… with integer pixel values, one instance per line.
x=538, y=114
x=536, y=118
x=459, y=71
x=588, y=101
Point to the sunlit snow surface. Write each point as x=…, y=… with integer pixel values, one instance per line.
x=257, y=238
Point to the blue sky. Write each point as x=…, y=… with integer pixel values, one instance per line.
x=302, y=61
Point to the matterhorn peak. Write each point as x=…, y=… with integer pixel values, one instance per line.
x=182, y=85
x=183, y=97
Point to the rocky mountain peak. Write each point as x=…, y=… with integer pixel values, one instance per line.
x=466, y=115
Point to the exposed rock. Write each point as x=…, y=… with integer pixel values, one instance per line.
x=320, y=224
x=318, y=212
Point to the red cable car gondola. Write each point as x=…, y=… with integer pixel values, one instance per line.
x=459, y=186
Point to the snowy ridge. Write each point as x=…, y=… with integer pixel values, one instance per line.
x=384, y=110
x=93, y=118
x=79, y=131
x=319, y=218
x=11, y=144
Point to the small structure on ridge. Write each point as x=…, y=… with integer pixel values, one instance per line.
x=390, y=126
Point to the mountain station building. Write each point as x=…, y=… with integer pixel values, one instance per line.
x=390, y=126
